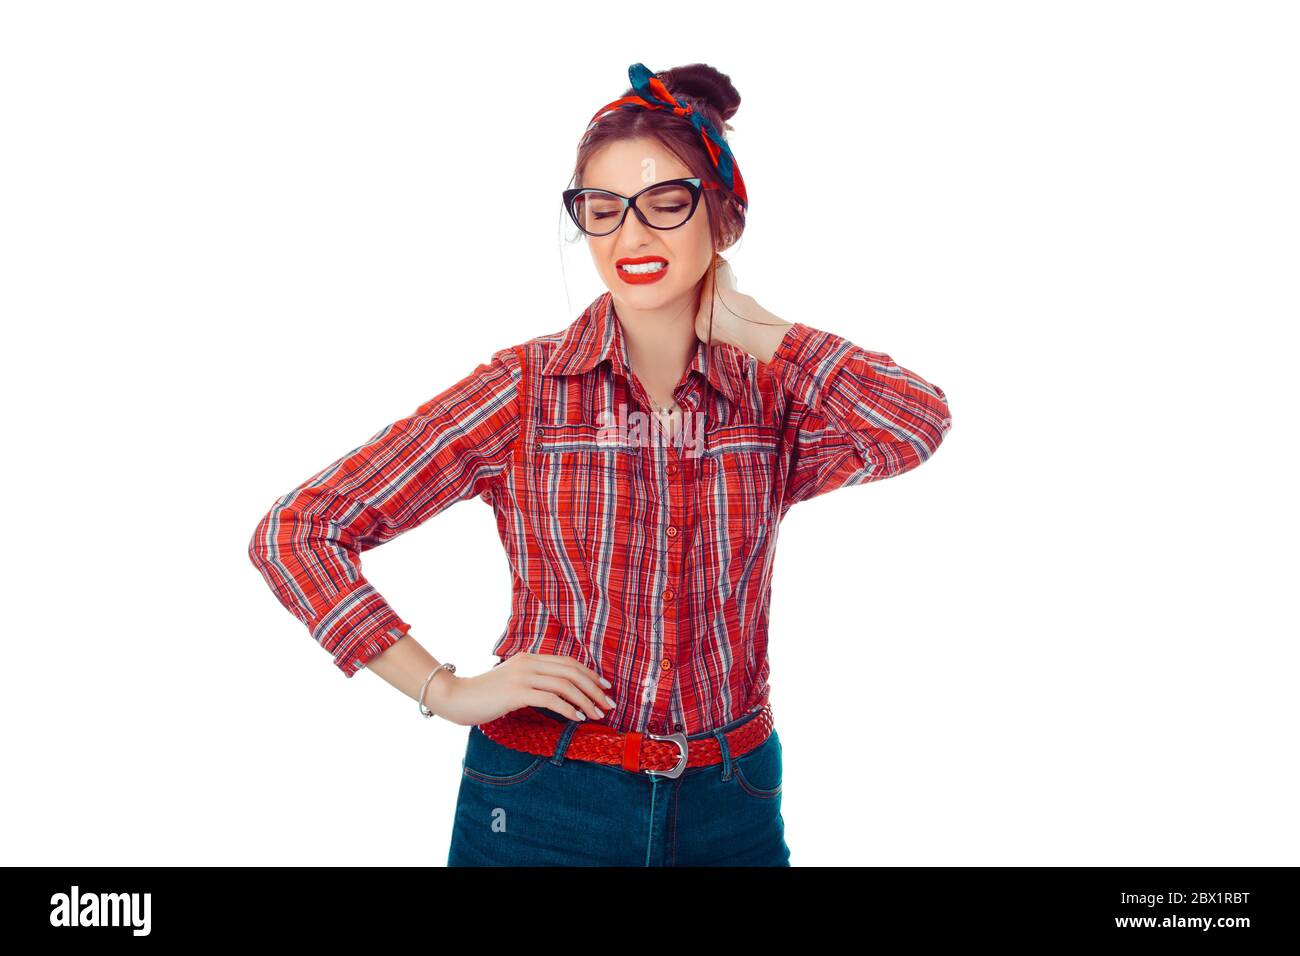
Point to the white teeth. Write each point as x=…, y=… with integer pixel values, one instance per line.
x=644, y=267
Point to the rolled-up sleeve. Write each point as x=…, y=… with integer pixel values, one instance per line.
x=853, y=415
x=308, y=546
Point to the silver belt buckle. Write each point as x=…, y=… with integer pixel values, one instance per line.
x=679, y=739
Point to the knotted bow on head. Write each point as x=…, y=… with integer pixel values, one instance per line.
x=651, y=94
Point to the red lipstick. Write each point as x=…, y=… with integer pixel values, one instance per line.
x=642, y=276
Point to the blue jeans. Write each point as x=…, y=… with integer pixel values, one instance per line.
x=520, y=809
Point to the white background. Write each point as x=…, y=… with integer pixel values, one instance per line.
x=240, y=238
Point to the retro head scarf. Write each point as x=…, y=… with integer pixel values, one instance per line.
x=651, y=94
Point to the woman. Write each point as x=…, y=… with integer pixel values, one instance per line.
x=639, y=464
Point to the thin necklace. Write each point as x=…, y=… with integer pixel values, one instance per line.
x=659, y=409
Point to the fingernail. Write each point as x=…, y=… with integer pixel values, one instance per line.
x=581, y=715
x=610, y=701
x=606, y=684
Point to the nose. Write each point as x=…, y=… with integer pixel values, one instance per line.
x=634, y=232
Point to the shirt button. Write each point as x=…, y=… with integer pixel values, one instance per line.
x=666, y=664
x=668, y=594
x=671, y=532
x=671, y=469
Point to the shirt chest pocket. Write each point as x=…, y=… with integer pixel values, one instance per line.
x=584, y=485
x=740, y=463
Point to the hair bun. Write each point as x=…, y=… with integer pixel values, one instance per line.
x=699, y=81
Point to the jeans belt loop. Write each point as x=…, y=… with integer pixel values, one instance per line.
x=723, y=749
x=562, y=744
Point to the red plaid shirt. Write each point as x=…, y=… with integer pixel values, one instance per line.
x=648, y=563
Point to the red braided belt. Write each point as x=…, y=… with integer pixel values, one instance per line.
x=663, y=754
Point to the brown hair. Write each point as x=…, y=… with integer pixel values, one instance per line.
x=705, y=89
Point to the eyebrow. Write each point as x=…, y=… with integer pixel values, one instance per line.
x=606, y=189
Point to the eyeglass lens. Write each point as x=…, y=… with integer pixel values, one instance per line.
x=664, y=207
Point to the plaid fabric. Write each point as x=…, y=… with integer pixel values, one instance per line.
x=645, y=561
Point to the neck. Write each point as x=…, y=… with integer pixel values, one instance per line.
x=660, y=342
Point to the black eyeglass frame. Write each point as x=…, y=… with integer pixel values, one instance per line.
x=695, y=183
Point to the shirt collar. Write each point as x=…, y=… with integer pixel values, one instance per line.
x=597, y=336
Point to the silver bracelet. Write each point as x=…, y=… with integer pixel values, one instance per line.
x=424, y=711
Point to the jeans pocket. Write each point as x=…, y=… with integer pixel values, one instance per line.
x=489, y=762
x=758, y=772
